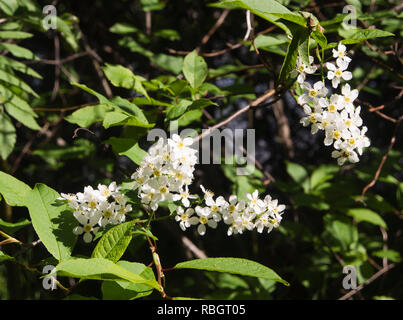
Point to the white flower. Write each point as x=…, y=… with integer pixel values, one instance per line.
x=313, y=118
x=255, y=203
x=340, y=53
x=348, y=97
x=183, y=217
x=87, y=226
x=184, y=196
x=335, y=74
x=344, y=155
x=312, y=93
x=302, y=69
x=204, y=218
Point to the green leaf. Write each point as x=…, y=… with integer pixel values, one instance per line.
x=23, y=116
x=195, y=69
x=320, y=38
x=9, y=6
x=52, y=221
x=82, y=148
x=264, y=9
x=13, y=190
x=357, y=35
x=129, y=107
x=100, y=269
x=233, y=265
x=167, y=62
x=116, y=118
x=102, y=99
x=11, y=79
x=399, y=195
x=127, y=147
x=363, y=214
x=4, y=257
x=340, y=231
x=20, y=67
x=391, y=255
x=15, y=35
x=299, y=174
x=17, y=51
x=322, y=174
x=114, y=242
x=8, y=136
x=123, y=290
x=120, y=76
x=177, y=110
x=11, y=228
x=123, y=28
x=87, y=116
x=290, y=60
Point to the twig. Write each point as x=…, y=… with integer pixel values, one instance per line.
x=255, y=103
x=378, y=171
x=214, y=28
x=374, y=277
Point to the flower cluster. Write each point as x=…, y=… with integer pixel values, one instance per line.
x=166, y=172
x=336, y=115
x=239, y=215
x=102, y=206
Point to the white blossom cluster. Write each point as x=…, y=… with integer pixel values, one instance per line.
x=166, y=172
x=96, y=208
x=336, y=115
x=239, y=215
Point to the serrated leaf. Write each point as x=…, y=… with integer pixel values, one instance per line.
x=99, y=269
x=195, y=69
x=233, y=265
x=8, y=136
x=363, y=214
x=52, y=222
x=114, y=242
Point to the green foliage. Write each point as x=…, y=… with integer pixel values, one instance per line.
x=77, y=103
x=50, y=219
x=232, y=265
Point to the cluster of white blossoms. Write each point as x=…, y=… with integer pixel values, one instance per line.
x=336, y=115
x=96, y=208
x=239, y=215
x=166, y=172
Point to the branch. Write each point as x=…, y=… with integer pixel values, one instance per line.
x=254, y=104
x=378, y=171
x=374, y=277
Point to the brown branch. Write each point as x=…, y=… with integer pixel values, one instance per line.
x=254, y=104
x=214, y=28
x=374, y=277
x=378, y=171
